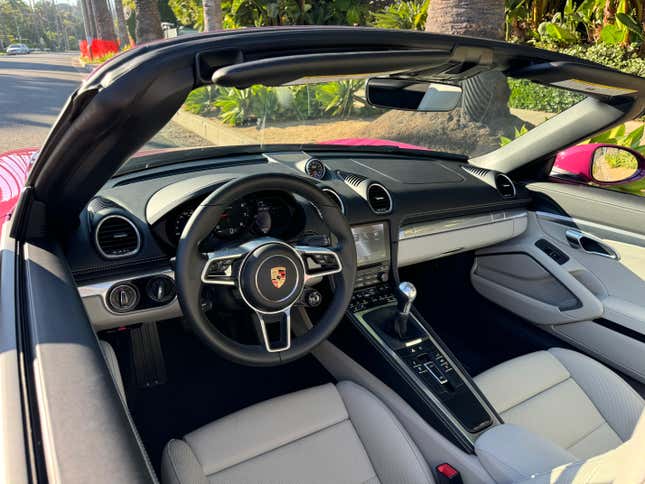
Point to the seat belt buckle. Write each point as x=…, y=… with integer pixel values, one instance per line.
x=447, y=474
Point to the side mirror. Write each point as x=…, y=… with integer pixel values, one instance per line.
x=600, y=164
x=412, y=95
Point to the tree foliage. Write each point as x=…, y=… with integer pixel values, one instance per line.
x=46, y=25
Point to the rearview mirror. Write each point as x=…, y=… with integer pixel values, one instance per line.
x=412, y=95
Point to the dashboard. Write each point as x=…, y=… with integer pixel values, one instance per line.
x=402, y=210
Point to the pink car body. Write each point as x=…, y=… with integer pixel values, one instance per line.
x=14, y=169
x=576, y=161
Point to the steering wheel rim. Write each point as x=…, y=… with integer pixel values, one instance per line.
x=192, y=267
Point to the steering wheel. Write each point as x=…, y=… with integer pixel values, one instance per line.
x=269, y=273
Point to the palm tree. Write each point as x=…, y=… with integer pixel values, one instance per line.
x=474, y=18
x=121, y=26
x=103, y=20
x=147, y=21
x=485, y=96
x=212, y=15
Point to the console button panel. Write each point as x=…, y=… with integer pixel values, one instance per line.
x=431, y=366
x=371, y=297
x=372, y=275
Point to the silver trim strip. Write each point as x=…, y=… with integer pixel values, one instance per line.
x=424, y=229
x=335, y=195
x=420, y=384
x=116, y=256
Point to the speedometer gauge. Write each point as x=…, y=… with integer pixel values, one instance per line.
x=235, y=219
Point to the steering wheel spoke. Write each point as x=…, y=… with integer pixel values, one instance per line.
x=319, y=261
x=275, y=329
x=219, y=268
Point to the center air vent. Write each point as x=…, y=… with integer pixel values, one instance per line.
x=116, y=236
x=505, y=186
x=379, y=199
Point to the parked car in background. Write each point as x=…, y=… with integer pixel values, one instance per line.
x=15, y=49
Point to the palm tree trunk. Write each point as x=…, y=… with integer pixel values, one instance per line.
x=485, y=96
x=103, y=20
x=474, y=18
x=148, y=21
x=212, y=15
x=121, y=26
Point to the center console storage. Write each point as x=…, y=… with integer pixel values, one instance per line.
x=383, y=313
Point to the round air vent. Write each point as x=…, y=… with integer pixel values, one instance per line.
x=379, y=199
x=505, y=186
x=116, y=236
x=335, y=198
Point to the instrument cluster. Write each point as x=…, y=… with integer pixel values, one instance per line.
x=262, y=214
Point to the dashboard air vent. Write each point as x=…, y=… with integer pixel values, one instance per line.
x=351, y=178
x=379, y=199
x=505, y=186
x=335, y=198
x=116, y=236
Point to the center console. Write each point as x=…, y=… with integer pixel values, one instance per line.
x=384, y=314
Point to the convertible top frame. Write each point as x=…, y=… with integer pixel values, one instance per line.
x=126, y=101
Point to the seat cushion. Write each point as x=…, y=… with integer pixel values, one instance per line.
x=565, y=397
x=340, y=434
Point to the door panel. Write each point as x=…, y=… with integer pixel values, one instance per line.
x=582, y=228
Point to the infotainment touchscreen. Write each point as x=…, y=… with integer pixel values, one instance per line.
x=371, y=244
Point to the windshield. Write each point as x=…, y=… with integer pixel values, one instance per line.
x=337, y=112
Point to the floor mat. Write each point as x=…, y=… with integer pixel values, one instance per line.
x=203, y=387
x=480, y=333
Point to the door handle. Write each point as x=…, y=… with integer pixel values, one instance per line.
x=590, y=244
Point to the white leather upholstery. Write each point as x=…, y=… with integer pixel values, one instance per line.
x=340, y=434
x=510, y=453
x=623, y=465
x=567, y=398
x=113, y=366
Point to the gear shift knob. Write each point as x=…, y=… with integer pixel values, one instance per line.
x=407, y=295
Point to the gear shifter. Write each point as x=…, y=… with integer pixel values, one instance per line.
x=405, y=295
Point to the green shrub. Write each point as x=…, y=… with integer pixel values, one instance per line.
x=408, y=15
x=198, y=101
x=528, y=95
x=618, y=57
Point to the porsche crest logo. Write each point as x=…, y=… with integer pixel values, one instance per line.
x=278, y=276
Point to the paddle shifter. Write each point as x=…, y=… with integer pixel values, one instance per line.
x=406, y=294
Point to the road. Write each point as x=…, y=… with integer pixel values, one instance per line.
x=33, y=90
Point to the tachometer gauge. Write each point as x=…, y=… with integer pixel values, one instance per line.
x=233, y=221
x=315, y=168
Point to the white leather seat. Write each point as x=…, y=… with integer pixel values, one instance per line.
x=563, y=407
x=340, y=434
